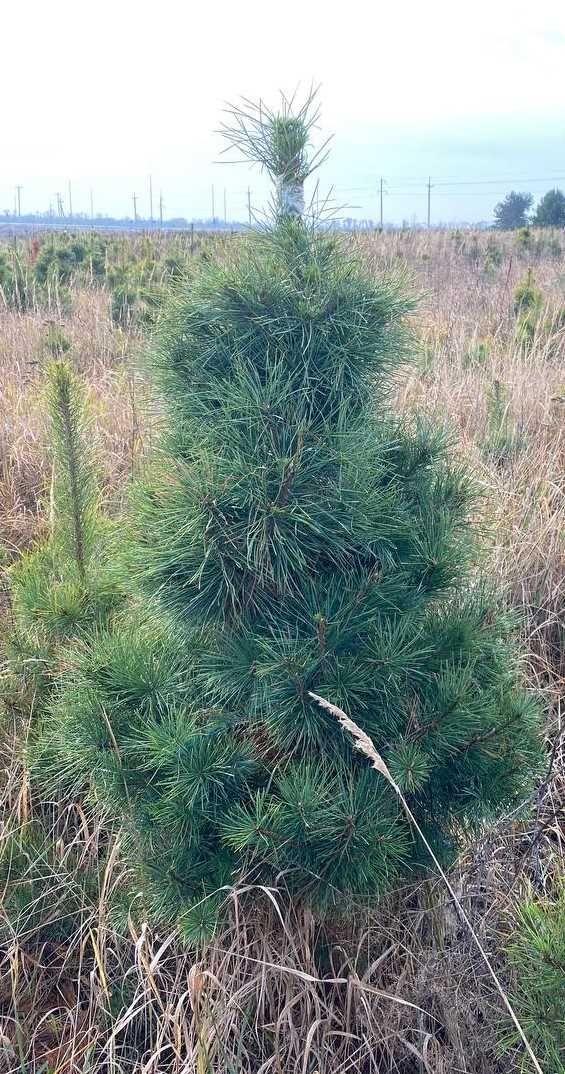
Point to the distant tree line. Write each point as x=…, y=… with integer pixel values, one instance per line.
x=514, y=211
x=78, y=220
x=178, y=223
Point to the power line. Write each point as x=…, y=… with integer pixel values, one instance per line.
x=455, y=182
x=448, y=194
x=476, y=182
x=411, y=188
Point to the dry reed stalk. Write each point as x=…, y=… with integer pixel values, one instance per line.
x=366, y=746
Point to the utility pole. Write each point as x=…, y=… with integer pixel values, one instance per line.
x=249, y=204
x=161, y=208
x=134, y=199
x=225, y=208
x=381, y=205
x=151, y=198
x=429, y=199
x=70, y=199
x=213, y=205
x=91, y=205
x=19, y=189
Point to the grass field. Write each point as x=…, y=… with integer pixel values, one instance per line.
x=404, y=990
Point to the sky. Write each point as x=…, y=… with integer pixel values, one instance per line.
x=469, y=96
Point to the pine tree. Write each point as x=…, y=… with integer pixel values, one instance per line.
x=551, y=210
x=292, y=533
x=512, y=211
x=60, y=589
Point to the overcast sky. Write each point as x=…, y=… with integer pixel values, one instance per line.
x=107, y=92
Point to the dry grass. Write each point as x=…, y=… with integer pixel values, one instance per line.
x=403, y=989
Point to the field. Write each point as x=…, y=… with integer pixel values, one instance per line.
x=405, y=990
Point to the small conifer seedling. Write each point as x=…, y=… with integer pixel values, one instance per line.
x=60, y=589
x=292, y=535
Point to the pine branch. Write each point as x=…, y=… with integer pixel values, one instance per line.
x=279, y=141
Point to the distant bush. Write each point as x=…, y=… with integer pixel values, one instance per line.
x=526, y=329
x=494, y=255
x=532, y=245
x=532, y=324
x=54, y=342
x=56, y=262
x=503, y=439
x=123, y=298
x=136, y=295
x=527, y=296
x=555, y=321
x=471, y=249
x=527, y=306
x=523, y=240
x=16, y=282
x=138, y=273
x=476, y=354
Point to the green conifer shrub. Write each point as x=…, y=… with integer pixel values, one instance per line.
x=537, y=954
x=137, y=293
x=57, y=260
x=527, y=307
x=504, y=439
x=527, y=296
x=477, y=353
x=60, y=589
x=54, y=342
x=494, y=256
x=291, y=533
x=17, y=289
x=524, y=240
